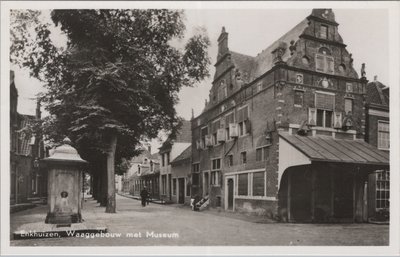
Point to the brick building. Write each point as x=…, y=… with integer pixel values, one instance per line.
x=378, y=135
x=282, y=133
x=180, y=173
x=28, y=182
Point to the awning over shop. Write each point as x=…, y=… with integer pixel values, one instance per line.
x=309, y=149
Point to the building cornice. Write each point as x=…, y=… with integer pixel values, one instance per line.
x=324, y=41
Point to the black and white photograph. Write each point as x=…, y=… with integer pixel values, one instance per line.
x=159, y=127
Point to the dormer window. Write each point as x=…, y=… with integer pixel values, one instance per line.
x=324, y=32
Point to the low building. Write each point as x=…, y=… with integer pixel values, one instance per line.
x=181, y=179
x=169, y=150
x=378, y=135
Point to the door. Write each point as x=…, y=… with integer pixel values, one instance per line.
x=230, y=194
x=181, y=190
x=206, y=183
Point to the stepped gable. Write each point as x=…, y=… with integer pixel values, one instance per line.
x=265, y=60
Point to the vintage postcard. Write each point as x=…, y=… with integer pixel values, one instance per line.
x=200, y=128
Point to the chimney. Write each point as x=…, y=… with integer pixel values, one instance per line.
x=192, y=114
x=38, y=112
x=375, y=78
x=223, y=43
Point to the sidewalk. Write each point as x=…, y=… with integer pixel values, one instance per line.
x=152, y=200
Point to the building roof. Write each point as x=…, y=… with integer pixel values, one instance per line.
x=185, y=155
x=184, y=134
x=377, y=93
x=265, y=59
x=328, y=149
x=144, y=154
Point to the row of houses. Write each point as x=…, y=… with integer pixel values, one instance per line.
x=28, y=182
x=294, y=133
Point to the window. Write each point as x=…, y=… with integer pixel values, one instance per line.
x=298, y=98
x=262, y=154
x=382, y=189
x=215, y=177
x=383, y=135
x=204, y=133
x=258, y=87
x=243, y=184
x=348, y=105
x=324, y=62
x=258, y=183
x=214, y=129
x=222, y=92
x=243, y=119
x=230, y=160
x=324, y=32
x=215, y=171
x=168, y=158
x=162, y=160
x=216, y=164
x=174, y=186
x=324, y=103
x=243, y=157
x=229, y=118
x=196, y=167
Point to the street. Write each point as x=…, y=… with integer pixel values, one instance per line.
x=173, y=225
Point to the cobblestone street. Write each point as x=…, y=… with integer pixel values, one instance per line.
x=134, y=225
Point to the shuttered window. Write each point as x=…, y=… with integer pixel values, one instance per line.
x=215, y=126
x=243, y=184
x=324, y=101
x=230, y=118
x=258, y=183
x=243, y=114
x=324, y=63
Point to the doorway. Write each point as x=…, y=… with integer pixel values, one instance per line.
x=230, y=186
x=181, y=190
x=206, y=184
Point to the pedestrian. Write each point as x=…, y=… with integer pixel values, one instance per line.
x=144, y=194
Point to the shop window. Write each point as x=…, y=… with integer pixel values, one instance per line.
x=348, y=105
x=243, y=184
x=243, y=157
x=298, y=98
x=258, y=183
x=383, y=135
x=382, y=189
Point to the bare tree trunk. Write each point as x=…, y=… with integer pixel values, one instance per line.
x=111, y=203
x=103, y=189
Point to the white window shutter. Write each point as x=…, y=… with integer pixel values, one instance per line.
x=312, y=116
x=337, y=120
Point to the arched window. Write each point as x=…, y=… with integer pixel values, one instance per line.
x=324, y=61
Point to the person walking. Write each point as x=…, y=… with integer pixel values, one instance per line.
x=144, y=194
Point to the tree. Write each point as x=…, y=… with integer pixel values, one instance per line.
x=118, y=80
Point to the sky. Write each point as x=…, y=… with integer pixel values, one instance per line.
x=364, y=31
